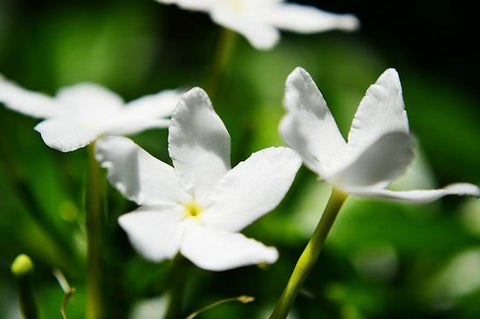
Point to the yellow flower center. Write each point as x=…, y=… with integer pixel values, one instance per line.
x=192, y=209
x=236, y=5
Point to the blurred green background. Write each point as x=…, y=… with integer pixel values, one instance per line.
x=382, y=259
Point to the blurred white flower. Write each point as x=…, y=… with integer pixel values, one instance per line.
x=258, y=20
x=81, y=113
x=379, y=147
x=457, y=279
x=152, y=308
x=198, y=206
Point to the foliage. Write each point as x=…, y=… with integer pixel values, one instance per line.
x=382, y=259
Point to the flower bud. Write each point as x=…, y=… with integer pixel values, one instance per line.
x=22, y=265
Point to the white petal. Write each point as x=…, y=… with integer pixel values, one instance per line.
x=421, y=195
x=200, y=5
x=217, y=250
x=161, y=104
x=88, y=98
x=149, y=111
x=308, y=19
x=123, y=126
x=381, y=111
x=137, y=174
x=27, y=102
x=378, y=165
x=309, y=127
x=66, y=135
x=260, y=34
x=252, y=188
x=155, y=232
x=199, y=144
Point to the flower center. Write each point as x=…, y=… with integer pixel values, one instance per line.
x=192, y=209
x=237, y=5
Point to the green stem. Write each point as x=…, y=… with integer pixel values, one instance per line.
x=27, y=301
x=93, y=220
x=220, y=60
x=22, y=268
x=177, y=287
x=309, y=256
x=242, y=299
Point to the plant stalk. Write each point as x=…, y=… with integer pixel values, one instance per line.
x=22, y=267
x=309, y=255
x=27, y=301
x=220, y=60
x=93, y=220
x=177, y=287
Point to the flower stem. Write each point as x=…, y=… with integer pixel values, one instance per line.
x=177, y=287
x=27, y=301
x=22, y=267
x=242, y=299
x=220, y=60
x=309, y=256
x=93, y=220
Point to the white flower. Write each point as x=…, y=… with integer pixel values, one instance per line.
x=258, y=20
x=379, y=147
x=81, y=113
x=198, y=206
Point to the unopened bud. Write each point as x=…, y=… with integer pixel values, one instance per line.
x=22, y=265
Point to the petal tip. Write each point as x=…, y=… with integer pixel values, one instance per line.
x=463, y=189
x=298, y=72
x=390, y=74
x=349, y=22
x=296, y=81
x=189, y=100
x=195, y=92
x=271, y=255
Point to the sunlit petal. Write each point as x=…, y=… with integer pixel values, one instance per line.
x=381, y=111
x=155, y=232
x=308, y=19
x=420, y=195
x=258, y=20
x=27, y=102
x=378, y=165
x=88, y=96
x=66, y=135
x=309, y=127
x=149, y=111
x=252, y=188
x=260, y=34
x=219, y=250
x=161, y=104
x=201, y=5
x=199, y=144
x=138, y=175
